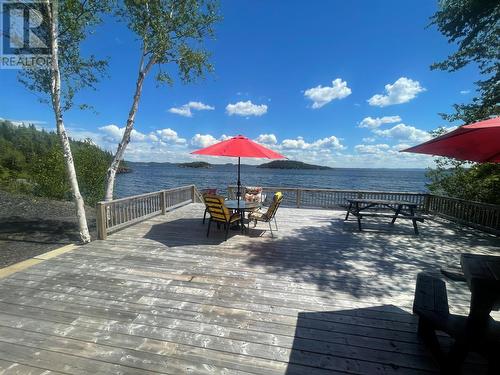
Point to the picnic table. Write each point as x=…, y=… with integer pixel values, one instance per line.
x=401, y=209
x=475, y=332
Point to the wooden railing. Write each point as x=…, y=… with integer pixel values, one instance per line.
x=482, y=216
x=333, y=198
x=485, y=217
x=119, y=213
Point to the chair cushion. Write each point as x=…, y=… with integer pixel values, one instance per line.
x=253, y=194
x=234, y=218
x=253, y=197
x=257, y=215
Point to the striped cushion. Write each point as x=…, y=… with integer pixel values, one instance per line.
x=218, y=210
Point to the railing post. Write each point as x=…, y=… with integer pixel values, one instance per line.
x=101, y=221
x=163, y=202
x=299, y=197
x=193, y=193
x=427, y=202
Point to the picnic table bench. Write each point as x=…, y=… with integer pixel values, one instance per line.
x=401, y=210
x=476, y=332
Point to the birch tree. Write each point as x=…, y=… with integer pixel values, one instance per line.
x=171, y=33
x=67, y=26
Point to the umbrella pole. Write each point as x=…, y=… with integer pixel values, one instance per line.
x=238, y=194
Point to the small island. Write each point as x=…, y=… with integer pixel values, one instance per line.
x=195, y=164
x=291, y=164
x=124, y=169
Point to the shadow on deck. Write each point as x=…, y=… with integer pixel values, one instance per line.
x=161, y=297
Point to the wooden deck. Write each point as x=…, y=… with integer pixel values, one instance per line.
x=159, y=297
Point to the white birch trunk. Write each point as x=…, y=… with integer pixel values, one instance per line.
x=118, y=157
x=61, y=131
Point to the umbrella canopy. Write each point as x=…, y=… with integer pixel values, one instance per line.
x=479, y=142
x=240, y=147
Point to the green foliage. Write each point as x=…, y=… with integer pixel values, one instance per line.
x=460, y=179
x=31, y=161
x=480, y=182
x=171, y=31
x=91, y=165
x=48, y=174
x=75, y=20
x=473, y=25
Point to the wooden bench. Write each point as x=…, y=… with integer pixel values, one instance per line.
x=431, y=306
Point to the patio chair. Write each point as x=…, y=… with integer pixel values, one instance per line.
x=269, y=215
x=203, y=193
x=220, y=213
x=253, y=194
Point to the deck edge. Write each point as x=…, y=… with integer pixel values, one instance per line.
x=20, y=266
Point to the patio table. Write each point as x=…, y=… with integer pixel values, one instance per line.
x=482, y=273
x=475, y=332
x=242, y=207
x=401, y=209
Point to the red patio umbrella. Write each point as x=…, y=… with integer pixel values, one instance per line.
x=240, y=147
x=479, y=142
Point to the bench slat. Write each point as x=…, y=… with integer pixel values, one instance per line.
x=430, y=295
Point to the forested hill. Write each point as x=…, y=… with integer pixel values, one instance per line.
x=290, y=164
x=31, y=161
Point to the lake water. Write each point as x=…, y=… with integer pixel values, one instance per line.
x=145, y=178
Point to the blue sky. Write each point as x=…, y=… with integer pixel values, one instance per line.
x=339, y=83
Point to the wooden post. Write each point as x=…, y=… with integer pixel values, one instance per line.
x=427, y=202
x=163, y=202
x=299, y=197
x=101, y=221
x=193, y=193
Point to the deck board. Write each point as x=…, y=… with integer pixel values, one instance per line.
x=160, y=297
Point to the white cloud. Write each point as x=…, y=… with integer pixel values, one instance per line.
x=372, y=123
x=323, y=95
x=186, y=109
x=401, y=91
x=168, y=135
x=199, y=106
x=225, y=137
x=269, y=139
x=372, y=149
x=37, y=123
x=113, y=132
x=329, y=143
x=401, y=146
x=368, y=140
x=465, y=92
x=404, y=133
x=298, y=143
x=203, y=140
x=246, y=109
x=166, y=145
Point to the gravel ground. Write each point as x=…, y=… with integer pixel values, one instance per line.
x=31, y=226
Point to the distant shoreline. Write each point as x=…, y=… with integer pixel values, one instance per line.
x=215, y=165
x=291, y=164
